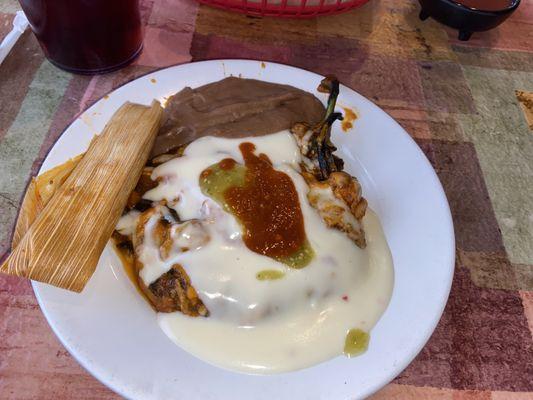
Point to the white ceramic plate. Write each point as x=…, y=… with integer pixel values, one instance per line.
x=113, y=333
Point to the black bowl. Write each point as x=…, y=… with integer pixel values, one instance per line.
x=463, y=18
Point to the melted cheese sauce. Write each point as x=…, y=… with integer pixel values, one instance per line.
x=266, y=326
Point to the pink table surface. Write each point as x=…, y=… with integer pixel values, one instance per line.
x=457, y=99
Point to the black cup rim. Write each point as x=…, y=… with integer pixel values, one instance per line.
x=460, y=6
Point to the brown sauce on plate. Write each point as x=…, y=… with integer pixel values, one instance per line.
x=267, y=206
x=128, y=264
x=227, y=164
x=349, y=117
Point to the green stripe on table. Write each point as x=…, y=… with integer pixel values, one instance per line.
x=504, y=147
x=9, y=6
x=24, y=138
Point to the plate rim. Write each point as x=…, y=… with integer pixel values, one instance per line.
x=431, y=326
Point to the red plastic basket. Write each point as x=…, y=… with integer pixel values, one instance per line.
x=286, y=8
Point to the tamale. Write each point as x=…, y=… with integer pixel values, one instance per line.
x=39, y=192
x=63, y=245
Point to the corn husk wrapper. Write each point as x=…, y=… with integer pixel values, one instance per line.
x=38, y=194
x=71, y=213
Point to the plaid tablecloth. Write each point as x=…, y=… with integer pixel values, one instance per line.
x=457, y=99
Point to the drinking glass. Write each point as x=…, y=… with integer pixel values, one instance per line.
x=86, y=36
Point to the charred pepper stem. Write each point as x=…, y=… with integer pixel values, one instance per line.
x=322, y=132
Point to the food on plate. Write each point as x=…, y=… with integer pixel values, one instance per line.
x=81, y=202
x=339, y=202
x=233, y=108
x=246, y=235
x=40, y=190
x=234, y=218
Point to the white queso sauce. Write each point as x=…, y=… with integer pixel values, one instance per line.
x=267, y=314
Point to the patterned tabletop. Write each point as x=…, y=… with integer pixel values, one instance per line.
x=461, y=101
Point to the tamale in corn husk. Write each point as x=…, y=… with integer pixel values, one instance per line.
x=39, y=192
x=64, y=243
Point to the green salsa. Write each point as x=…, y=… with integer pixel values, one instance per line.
x=269, y=275
x=356, y=342
x=219, y=179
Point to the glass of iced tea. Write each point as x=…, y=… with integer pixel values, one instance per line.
x=86, y=36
